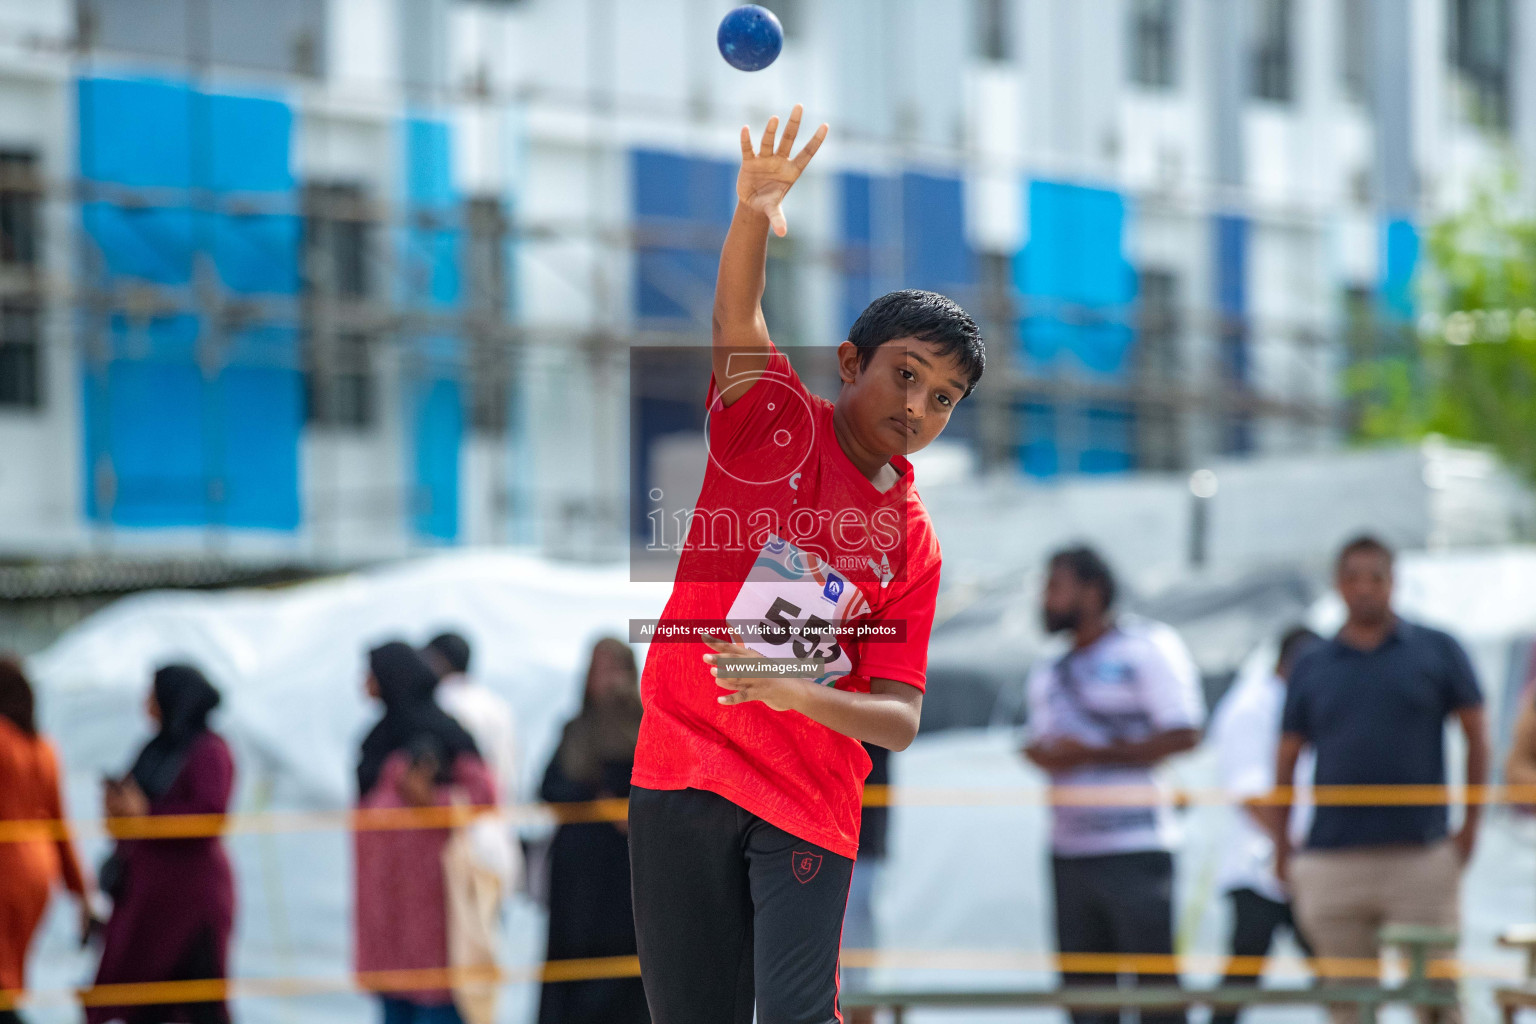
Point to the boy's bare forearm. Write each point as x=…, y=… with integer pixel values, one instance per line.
x=738, y=316
x=885, y=719
x=739, y=331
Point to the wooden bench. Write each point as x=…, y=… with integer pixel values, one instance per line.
x=1512, y=999
x=1418, y=989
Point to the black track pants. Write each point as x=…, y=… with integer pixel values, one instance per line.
x=732, y=911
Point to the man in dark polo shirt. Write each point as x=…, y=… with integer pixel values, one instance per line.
x=1372, y=703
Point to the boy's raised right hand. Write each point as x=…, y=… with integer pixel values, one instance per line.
x=767, y=174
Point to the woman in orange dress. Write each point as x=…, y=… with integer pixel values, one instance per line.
x=29, y=867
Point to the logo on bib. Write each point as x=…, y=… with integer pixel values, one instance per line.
x=806, y=863
x=833, y=589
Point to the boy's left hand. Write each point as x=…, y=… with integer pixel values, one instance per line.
x=781, y=693
x=767, y=175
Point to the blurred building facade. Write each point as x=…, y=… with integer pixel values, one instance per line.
x=321, y=281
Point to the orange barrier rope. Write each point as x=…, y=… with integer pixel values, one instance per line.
x=196, y=826
x=596, y=968
x=153, y=993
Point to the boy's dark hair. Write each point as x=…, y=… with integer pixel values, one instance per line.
x=1366, y=542
x=1087, y=566
x=453, y=649
x=927, y=316
x=1295, y=642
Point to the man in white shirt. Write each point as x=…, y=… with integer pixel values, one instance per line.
x=1245, y=730
x=1124, y=698
x=488, y=720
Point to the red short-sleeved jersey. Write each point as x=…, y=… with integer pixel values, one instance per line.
x=787, y=531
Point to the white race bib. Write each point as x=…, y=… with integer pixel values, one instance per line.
x=788, y=597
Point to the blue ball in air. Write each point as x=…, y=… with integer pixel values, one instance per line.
x=750, y=38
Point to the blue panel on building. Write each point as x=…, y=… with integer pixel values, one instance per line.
x=439, y=430
x=1400, y=260
x=935, y=254
x=856, y=210
x=1078, y=289
x=255, y=254
x=136, y=132
x=1108, y=442
x=857, y=193
x=902, y=232
x=428, y=170
x=661, y=185
x=147, y=413
x=149, y=244
x=682, y=208
x=1231, y=273
x=432, y=238
x=250, y=144
x=431, y=242
x=262, y=408
x=654, y=418
x=1231, y=264
x=1038, y=452
x=1075, y=280
x=183, y=447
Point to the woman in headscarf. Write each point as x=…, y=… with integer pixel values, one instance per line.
x=416, y=756
x=591, y=913
x=29, y=868
x=173, y=900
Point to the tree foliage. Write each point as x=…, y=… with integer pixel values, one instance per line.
x=1467, y=370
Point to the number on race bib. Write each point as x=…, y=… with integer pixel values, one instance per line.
x=780, y=626
x=792, y=599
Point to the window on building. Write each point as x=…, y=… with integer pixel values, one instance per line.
x=340, y=388
x=490, y=385
x=1159, y=364
x=1479, y=38
x=20, y=192
x=339, y=384
x=490, y=363
x=1272, y=50
x=1154, y=42
x=1360, y=341
x=1355, y=50
x=1157, y=335
x=268, y=35
x=21, y=355
x=337, y=228
x=994, y=26
x=485, y=253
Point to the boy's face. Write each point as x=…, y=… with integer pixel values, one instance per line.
x=902, y=400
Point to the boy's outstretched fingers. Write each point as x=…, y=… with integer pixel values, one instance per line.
x=811, y=147
x=766, y=149
x=787, y=143
x=768, y=171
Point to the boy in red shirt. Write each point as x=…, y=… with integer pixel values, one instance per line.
x=808, y=542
